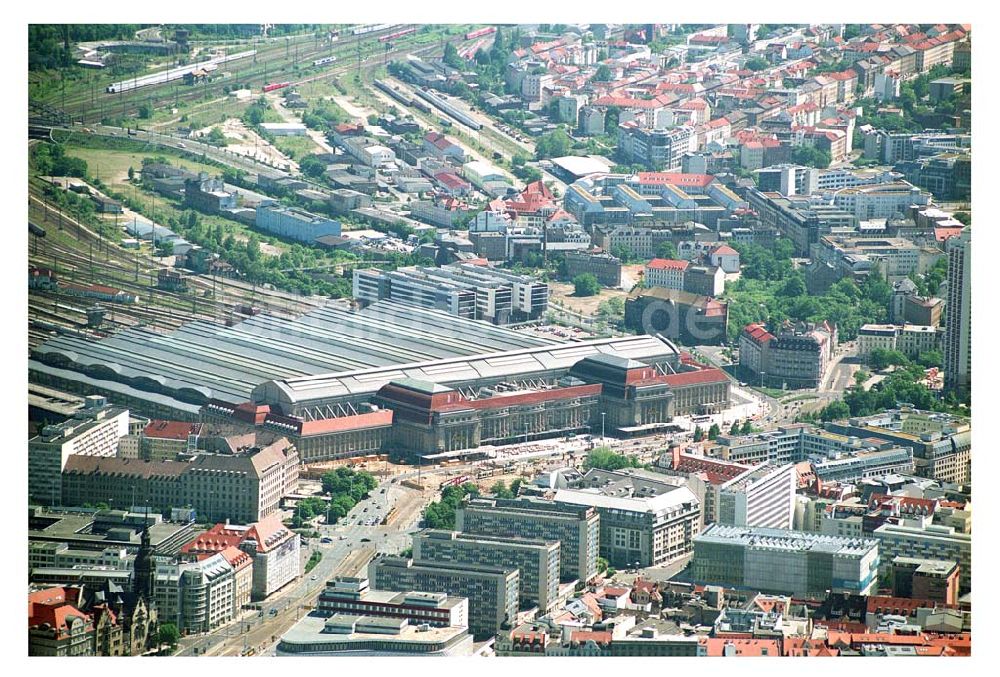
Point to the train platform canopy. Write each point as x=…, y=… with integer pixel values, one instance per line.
x=202, y=361
x=305, y=395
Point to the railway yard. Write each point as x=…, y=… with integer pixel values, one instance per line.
x=77, y=255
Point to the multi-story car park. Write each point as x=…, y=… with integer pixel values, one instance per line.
x=464, y=290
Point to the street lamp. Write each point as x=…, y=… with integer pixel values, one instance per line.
x=603, y=414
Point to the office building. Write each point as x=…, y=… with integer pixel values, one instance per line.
x=941, y=443
x=245, y=486
x=659, y=149
x=353, y=595
x=797, y=357
x=646, y=520
x=195, y=596
x=92, y=432
x=536, y=561
x=492, y=591
x=928, y=579
x=933, y=541
x=295, y=224
x=760, y=497
x=958, y=315
x=785, y=562
x=577, y=528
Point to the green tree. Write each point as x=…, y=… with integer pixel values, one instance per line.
x=666, y=250
x=554, y=144
x=881, y=358
x=586, y=284
x=603, y=74
x=836, y=410
x=699, y=434
x=131, y=174
x=500, y=490
x=747, y=427
x=713, y=431
x=757, y=63
x=312, y=166
x=734, y=429
x=811, y=156
x=165, y=248
x=168, y=634
x=605, y=459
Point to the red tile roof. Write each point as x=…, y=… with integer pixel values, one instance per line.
x=344, y=423
x=588, y=635
x=171, y=430
x=268, y=532
x=668, y=264
x=724, y=250
x=758, y=333
x=689, y=378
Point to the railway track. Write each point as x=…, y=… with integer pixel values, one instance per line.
x=268, y=64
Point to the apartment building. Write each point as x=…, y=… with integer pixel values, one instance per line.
x=577, y=528
x=536, y=561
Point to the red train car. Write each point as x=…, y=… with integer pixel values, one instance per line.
x=275, y=85
x=472, y=35
x=397, y=34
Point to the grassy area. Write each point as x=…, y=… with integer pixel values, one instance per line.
x=776, y=393
x=111, y=166
x=296, y=147
x=798, y=398
x=314, y=559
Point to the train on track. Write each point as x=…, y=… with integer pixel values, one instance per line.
x=397, y=34
x=173, y=73
x=324, y=61
x=448, y=109
x=372, y=28
x=270, y=87
x=472, y=35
